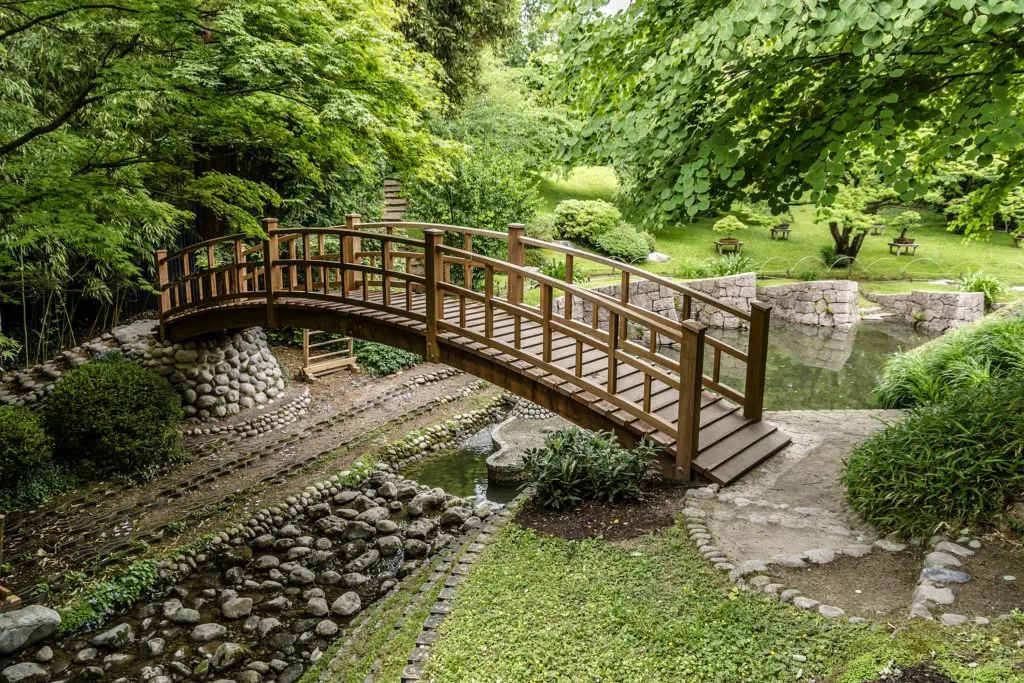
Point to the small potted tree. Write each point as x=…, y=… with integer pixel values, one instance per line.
x=905, y=222
x=729, y=226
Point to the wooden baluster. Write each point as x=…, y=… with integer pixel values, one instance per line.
x=686, y=313
x=321, y=251
x=569, y=280
x=613, y=346
x=579, y=358
x=186, y=270
x=293, y=271
x=434, y=297
x=270, y=277
x=691, y=374
x=624, y=299
x=653, y=348
x=716, y=363
x=366, y=289
x=385, y=248
x=211, y=276
x=545, y=311
x=757, y=361
x=239, y=268
x=516, y=256
x=488, y=306
x=306, y=256
x=305, y=347
x=162, y=279
x=467, y=267
x=349, y=246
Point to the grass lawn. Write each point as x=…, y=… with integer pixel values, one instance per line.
x=542, y=609
x=941, y=254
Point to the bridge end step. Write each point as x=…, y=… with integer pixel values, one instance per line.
x=731, y=458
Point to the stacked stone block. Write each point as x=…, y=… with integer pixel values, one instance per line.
x=826, y=303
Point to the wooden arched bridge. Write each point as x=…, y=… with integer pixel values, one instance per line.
x=602, y=362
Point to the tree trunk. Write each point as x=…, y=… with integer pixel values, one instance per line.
x=844, y=245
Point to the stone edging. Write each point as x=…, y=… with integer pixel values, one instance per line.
x=286, y=414
x=935, y=586
x=473, y=544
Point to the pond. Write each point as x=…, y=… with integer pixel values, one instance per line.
x=820, y=368
x=463, y=470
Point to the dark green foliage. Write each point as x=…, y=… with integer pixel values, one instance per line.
x=959, y=360
x=23, y=442
x=577, y=465
x=36, y=485
x=379, y=359
x=954, y=462
x=626, y=244
x=556, y=268
x=833, y=259
x=102, y=599
x=979, y=281
x=118, y=415
x=585, y=219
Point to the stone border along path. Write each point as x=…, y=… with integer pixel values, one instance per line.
x=471, y=544
x=113, y=551
x=935, y=585
x=286, y=414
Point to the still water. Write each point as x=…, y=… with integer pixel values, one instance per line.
x=463, y=471
x=819, y=368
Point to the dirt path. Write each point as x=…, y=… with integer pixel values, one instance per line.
x=110, y=523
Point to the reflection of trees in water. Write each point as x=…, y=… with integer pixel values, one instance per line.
x=812, y=367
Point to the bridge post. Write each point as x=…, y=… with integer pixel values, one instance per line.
x=757, y=361
x=163, y=300
x=270, y=277
x=435, y=299
x=517, y=257
x=349, y=247
x=691, y=385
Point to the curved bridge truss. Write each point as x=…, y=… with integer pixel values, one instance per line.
x=600, y=361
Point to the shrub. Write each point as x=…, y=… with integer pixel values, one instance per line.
x=585, y=219
x=730, y=264
x=832, y=259
x=953, y=462
x=542, y=227
x=576, y=465
x=118, y=415
x=626, y=244
x=729, y=225
x=971, y=355
x=23, y=442
x=808, y=275
x=380, y=359
x=989, y=285
x=556, y=268
x=693, y=270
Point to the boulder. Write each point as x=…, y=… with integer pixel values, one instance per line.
x=26, y=672
x=26, y=626
x=347, y=605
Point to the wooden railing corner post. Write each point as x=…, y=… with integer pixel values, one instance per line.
x=163, y=294
x=757, y=361
x=270, y=275
x=349, y=247
x=434, y=297
x=691, y=385
x=516, y=257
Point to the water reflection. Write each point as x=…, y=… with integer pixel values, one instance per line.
x=812, y=367
x=463, y=471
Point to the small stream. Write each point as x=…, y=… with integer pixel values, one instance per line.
x=463, y=471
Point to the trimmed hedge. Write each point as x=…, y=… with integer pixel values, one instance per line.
x=585, y=219
x=24, y=443
x=946, y=464
x=626, y=243
x=117, y=414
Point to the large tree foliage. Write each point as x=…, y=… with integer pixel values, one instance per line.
x=456, y=32
x=701, y=100
x=121, y=123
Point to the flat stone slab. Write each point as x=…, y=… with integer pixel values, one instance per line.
x=514, y=437
x=940, y=575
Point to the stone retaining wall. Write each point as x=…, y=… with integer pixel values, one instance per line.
x=939, y=311
x=216, y=377
x=827, y=303
x=735, y=290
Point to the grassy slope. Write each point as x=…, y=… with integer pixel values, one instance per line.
x=941, y=254
x=542, y=609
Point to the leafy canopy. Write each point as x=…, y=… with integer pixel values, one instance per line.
x=779, y=99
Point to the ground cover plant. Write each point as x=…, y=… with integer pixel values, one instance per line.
x=576, y=465
x=542, y=608
x=956, y=461
x=959, y=360
x=117, y=415
x=380, y=359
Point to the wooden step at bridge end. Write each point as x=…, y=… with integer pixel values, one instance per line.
x=746, y=459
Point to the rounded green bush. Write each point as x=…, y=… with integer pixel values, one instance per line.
x=953, y=462
x=118, y=415
x=626, y=244
x=585, y=219
x=23, y=442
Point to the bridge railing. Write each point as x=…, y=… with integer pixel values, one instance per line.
x=380, y=266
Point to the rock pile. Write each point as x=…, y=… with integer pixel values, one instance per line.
x=266, y=597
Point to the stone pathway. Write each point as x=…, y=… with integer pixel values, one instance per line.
x=790, y=514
